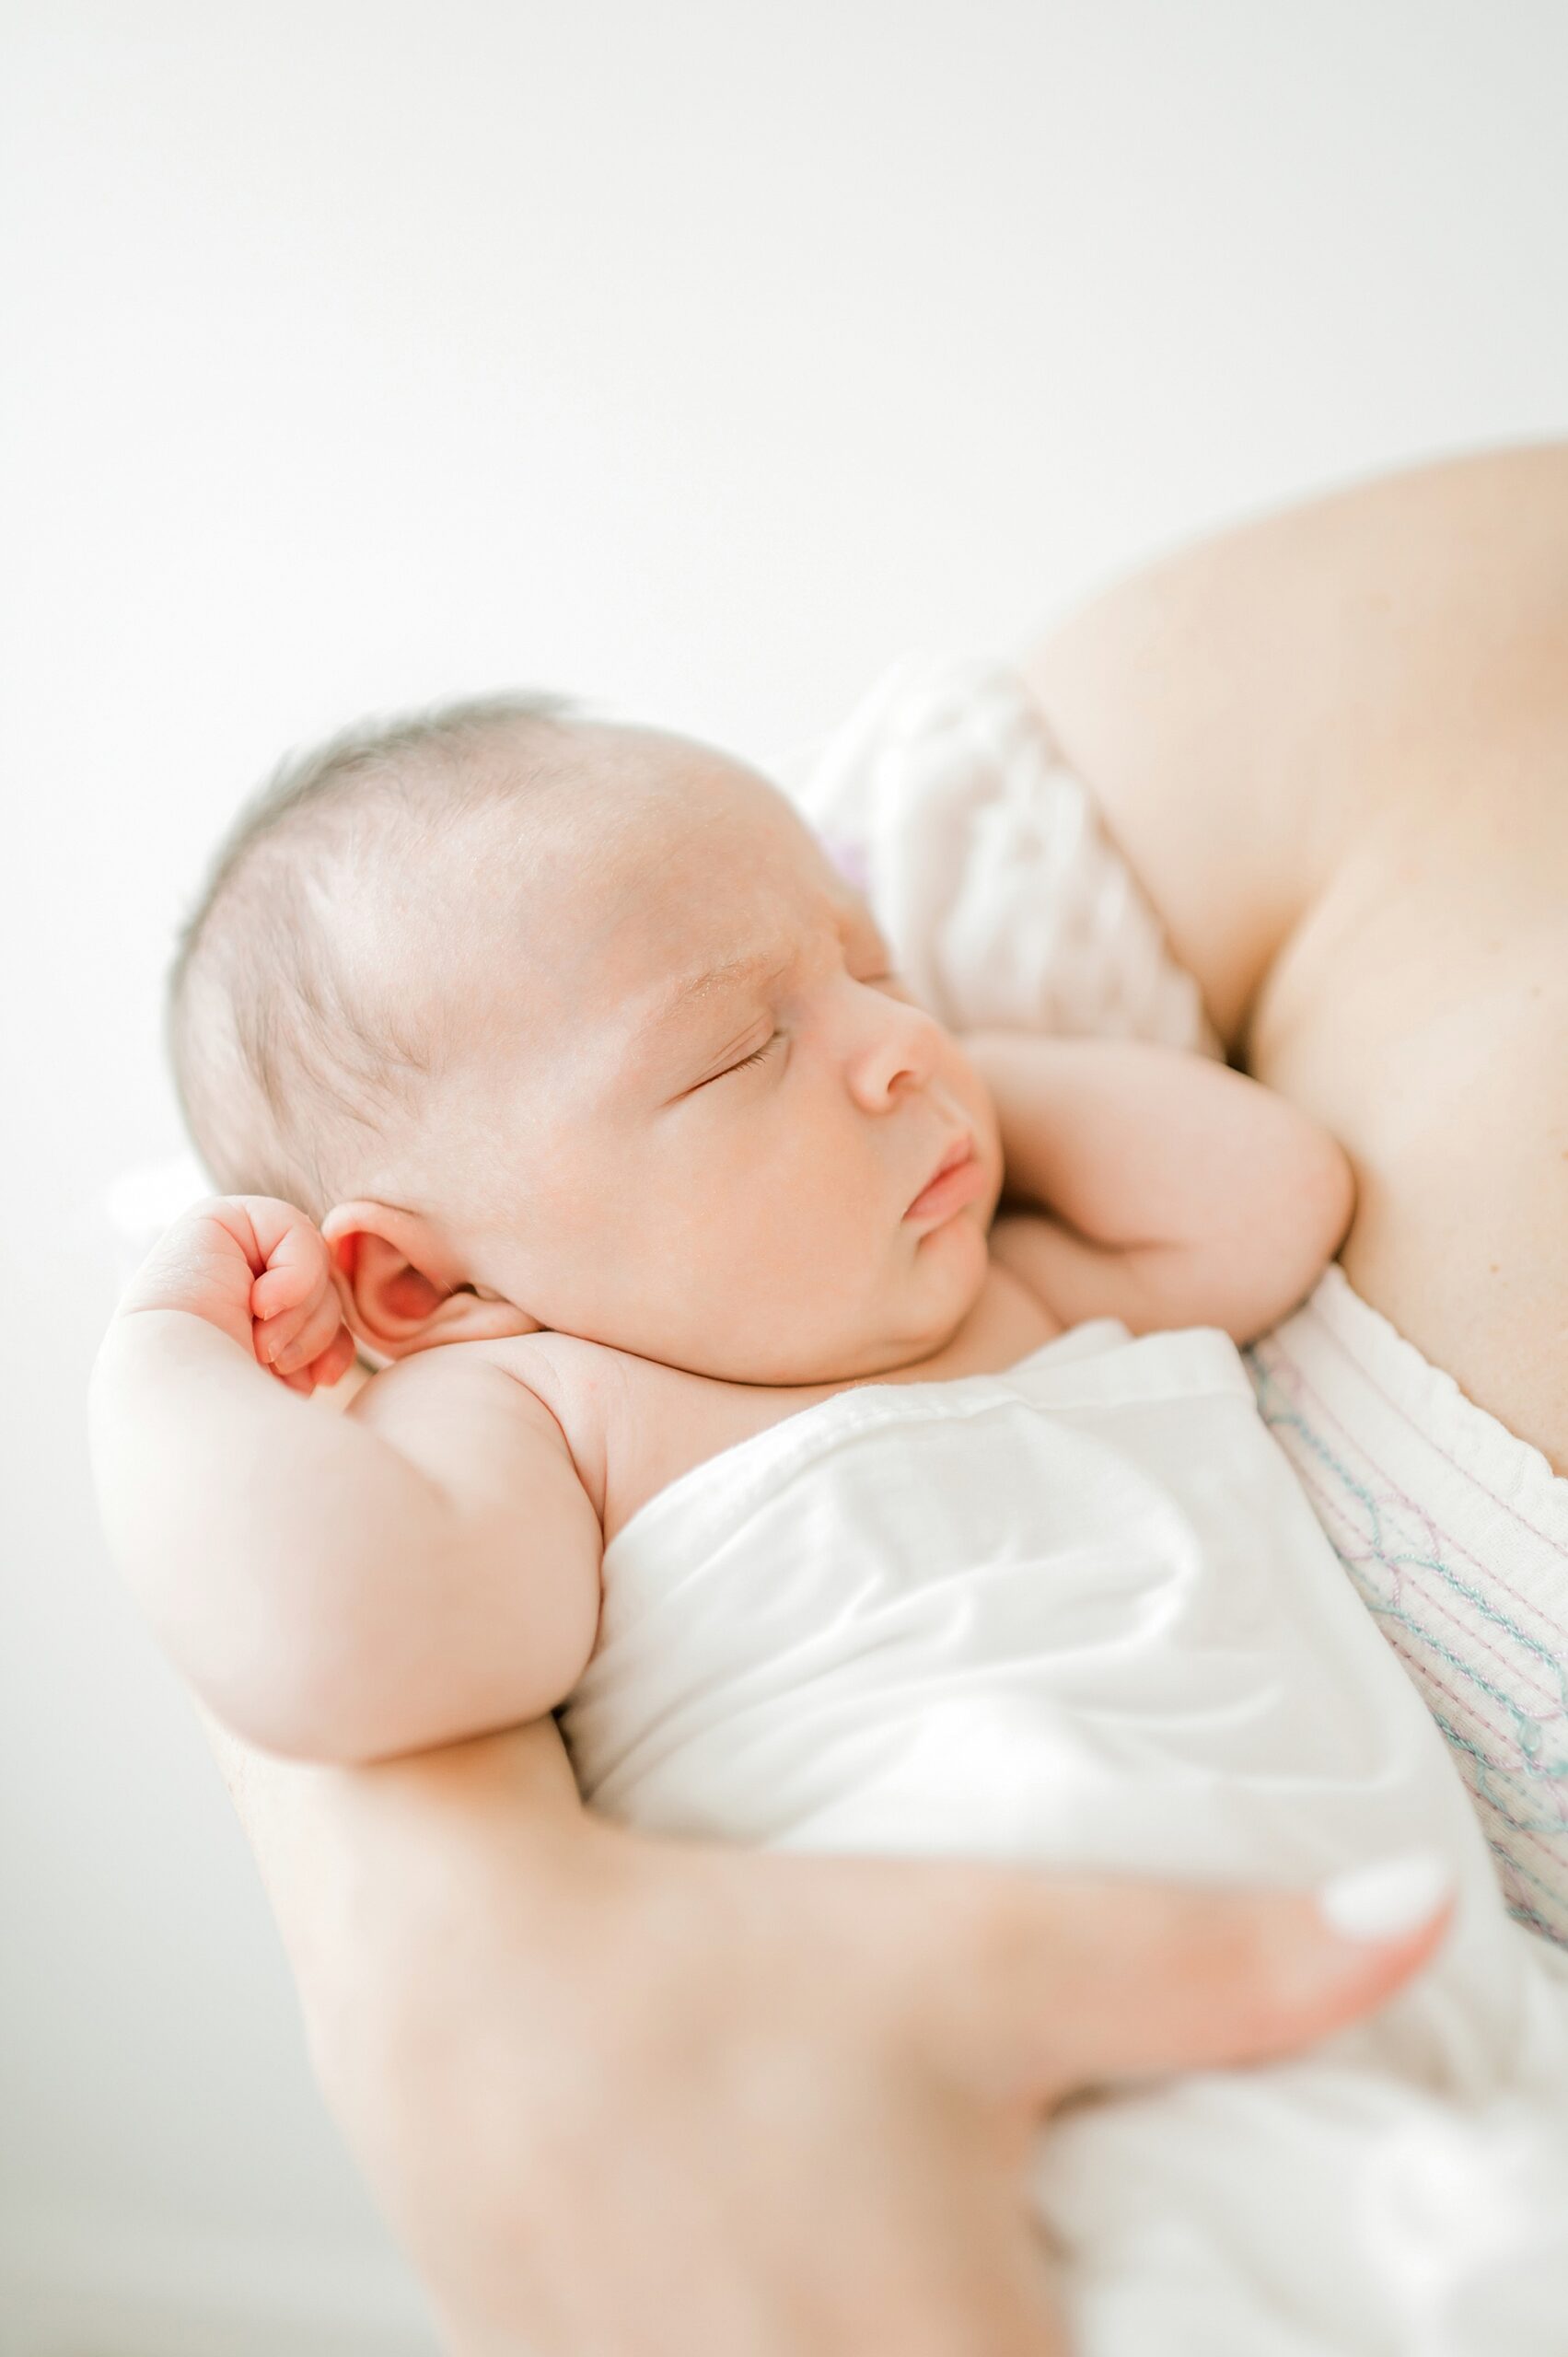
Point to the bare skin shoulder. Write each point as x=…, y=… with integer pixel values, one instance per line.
x=1331, y=746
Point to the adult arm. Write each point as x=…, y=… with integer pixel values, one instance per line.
x=657, y=2099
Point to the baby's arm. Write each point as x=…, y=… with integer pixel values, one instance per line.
x=421, y=1568
x=1174, y=1190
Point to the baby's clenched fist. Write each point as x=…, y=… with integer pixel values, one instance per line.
x=296, y=1319
x=261, y=1269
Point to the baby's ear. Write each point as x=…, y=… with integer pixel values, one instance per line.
x=397, y=1290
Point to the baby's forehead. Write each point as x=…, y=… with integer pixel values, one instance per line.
x=687, y=840
x=717, y=859
x=695, y=871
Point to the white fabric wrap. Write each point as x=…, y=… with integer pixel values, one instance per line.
x=986, y=860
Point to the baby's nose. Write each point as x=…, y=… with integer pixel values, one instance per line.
x=901, y=1049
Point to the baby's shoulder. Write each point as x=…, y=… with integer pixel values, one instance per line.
x=470, y=1398
x=584, y=1385
x=633, y=1424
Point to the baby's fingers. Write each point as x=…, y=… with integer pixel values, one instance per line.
x=309, y=1338
x=335, y=1360
x=274, y=1335
x=329, y=1368
x=297, y=1269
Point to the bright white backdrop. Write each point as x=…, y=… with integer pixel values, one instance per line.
x=695, y=358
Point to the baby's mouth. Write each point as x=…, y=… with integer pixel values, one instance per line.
x=952, y=1182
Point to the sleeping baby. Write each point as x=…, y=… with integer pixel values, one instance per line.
x=841, y=1424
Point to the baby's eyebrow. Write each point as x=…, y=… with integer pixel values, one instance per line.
x=759, y=966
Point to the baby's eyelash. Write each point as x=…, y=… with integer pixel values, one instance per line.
x=758, y=1054
x=754, y=1059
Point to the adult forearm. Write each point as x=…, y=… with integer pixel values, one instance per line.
x=440, y=1920
x=662, y=2098
x=360, y=1862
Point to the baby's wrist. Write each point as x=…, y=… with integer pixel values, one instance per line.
x=182, y=1286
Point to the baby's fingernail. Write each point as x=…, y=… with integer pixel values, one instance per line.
x=1387, y=1899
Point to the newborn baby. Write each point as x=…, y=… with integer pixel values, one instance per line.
x=718, y=1408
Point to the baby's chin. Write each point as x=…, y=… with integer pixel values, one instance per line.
x=927, y=1318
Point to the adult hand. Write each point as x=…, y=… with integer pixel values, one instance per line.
x=675, y=2100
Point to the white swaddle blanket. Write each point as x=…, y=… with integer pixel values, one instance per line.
x=1081, y=1612
x=987, y=863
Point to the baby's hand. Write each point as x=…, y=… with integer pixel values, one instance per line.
x=260, y=1269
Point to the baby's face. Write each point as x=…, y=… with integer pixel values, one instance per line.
x=705, y=1105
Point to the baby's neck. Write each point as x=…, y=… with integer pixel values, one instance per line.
x=1006, y=1321
x=1003, y=1324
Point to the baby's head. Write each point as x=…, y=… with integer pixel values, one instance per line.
x=553, y=1021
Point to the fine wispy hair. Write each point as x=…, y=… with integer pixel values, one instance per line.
x=297, y=1042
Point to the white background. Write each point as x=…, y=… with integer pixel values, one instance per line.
x=696, y=358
